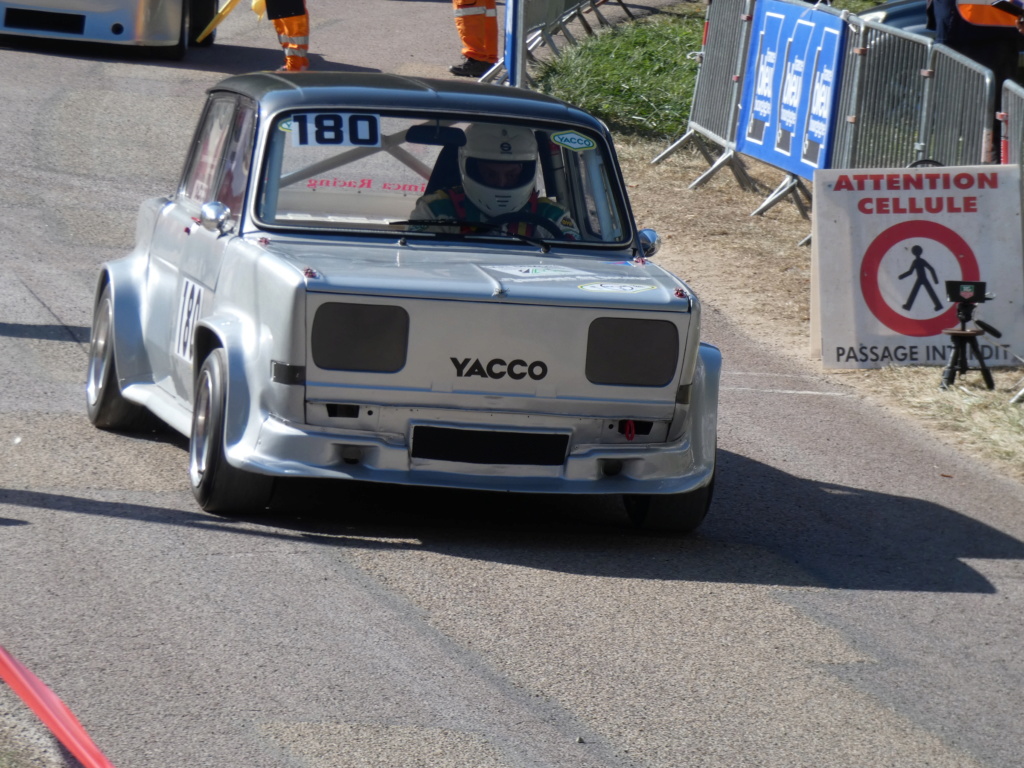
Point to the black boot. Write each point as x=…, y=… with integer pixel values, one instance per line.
x=470, y=68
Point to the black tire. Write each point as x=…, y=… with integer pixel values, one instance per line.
x=104, y=403
x=201, y=13
x=677, y=513
x=217, y=486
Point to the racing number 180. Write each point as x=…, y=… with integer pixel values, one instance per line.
x=335, y=128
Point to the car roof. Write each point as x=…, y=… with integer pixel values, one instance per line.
x=275, y=91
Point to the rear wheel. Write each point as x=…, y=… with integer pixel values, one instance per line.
x=219, y=487
x=106, y=406
x=679, y=513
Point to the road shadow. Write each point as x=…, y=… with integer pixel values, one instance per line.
x=76, y=333
x=238, y=59
x=227, y=59
x=766, y=527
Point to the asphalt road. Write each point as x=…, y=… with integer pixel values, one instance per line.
x=854, y=599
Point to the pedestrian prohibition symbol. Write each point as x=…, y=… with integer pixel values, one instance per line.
x=872, y=262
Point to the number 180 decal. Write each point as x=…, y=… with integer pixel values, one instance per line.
x=190, y=304
x=339, y=129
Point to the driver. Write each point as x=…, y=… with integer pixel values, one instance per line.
x=498, y=165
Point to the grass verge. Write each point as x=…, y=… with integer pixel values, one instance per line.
x=637, y=77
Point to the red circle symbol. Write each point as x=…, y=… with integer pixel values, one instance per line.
x=872, y=262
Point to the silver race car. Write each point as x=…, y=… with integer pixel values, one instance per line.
x=165, y=27
x=409, y=281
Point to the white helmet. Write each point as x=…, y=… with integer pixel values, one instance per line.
x=489, y=148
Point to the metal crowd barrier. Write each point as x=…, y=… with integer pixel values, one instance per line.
x=716, y=97
x=1012, y=118
x=881, y=97
x=902, y=99
x=959, y=112
x=907, y=100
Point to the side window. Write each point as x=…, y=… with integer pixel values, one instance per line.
x=201, y=179
x=237, y=160
x=599, y=218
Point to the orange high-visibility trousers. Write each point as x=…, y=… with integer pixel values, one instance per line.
x=477, y=23
x=292, y=24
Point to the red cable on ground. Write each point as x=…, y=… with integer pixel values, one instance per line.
x=52, y=711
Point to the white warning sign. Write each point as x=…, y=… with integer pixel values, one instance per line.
x=894, y=237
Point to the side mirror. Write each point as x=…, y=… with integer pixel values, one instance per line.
x=215, y=217
x=650, y=242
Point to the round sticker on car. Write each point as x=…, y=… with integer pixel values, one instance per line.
x=574, y=141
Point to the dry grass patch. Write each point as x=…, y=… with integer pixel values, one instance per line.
x=981, y=421
x=754, y=270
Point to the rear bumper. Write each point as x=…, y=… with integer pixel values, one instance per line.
x=123, y=22
x=675, y=467
x=681, y=461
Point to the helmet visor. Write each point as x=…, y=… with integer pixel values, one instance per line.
x=501, y=174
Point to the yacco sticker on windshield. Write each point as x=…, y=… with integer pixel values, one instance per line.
x=616, y=287
x=574, y=141
x=338, y=129
x=542, y=271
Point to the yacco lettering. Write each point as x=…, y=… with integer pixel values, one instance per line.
x=498, y=369
x=951, y=204
x=892, y=182
x=573, y=140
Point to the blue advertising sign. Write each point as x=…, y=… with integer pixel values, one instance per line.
x=790, y=87
x=824, y=93
x=794, y=66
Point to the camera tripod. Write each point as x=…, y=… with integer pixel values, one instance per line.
x=962, y=338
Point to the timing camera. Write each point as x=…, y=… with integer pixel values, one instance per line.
x=967, y=294
x=971, y=291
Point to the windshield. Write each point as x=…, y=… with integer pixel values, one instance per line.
x=424, y=177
